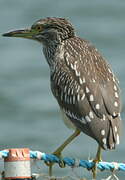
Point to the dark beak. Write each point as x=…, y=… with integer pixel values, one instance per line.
x=24, y=33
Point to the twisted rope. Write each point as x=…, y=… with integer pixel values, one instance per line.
x=70, y=161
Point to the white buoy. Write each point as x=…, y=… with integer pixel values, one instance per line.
x=17, y=164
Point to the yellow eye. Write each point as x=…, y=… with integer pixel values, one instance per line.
x=39, y=28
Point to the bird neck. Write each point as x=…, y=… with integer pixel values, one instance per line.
x=53, y=53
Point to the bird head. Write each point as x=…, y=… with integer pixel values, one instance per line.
x=46, y=31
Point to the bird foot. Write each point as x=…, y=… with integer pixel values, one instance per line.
x=59, y=155
x=94, y=168
x=50, y=164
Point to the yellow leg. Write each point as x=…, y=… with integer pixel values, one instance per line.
x=96, y=160
x=62, y=147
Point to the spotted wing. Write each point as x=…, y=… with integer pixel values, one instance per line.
x=88, y=93
x=102, y=93
x=103, y=96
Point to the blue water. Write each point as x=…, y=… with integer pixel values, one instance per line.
x=29, y=114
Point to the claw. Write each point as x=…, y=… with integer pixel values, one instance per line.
x=50, y=164
x=58, y=154
x=60, y=149
x=62, y=164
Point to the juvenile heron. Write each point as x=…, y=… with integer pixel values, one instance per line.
x=82, y=81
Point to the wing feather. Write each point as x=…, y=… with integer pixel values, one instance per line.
x=88, y=93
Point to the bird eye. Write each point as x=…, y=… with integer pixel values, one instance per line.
x=39, y=28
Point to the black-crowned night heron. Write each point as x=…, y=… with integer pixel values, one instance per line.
x=82, y=81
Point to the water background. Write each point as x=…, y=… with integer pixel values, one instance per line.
x=29, y=115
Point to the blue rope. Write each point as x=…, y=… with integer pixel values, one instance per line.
x=70, y=161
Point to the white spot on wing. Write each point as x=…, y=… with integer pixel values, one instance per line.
x=109, y=70
x=97, y=106
x=91, y=114
x=80, y=81
x=115, y=104
x=118, y=141
x=115, y=88
x=91, y=97
x=78, y=88
x=103, y=118
x=87, y=90
x=83, y=80
x=102, y=132
x=87, y=119
x=116, y=94
x=116, y=129
x=67, y=60
x=93, y=80
x=104, y=140
x=72, y=67
x=77, y=73
x=113, y=79
x=83, y=96
x=78, y=97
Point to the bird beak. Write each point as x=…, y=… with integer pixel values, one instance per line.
x=24, y=33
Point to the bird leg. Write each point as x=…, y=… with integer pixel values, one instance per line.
x=96, y=160
x=70, y=138
x=61, y=148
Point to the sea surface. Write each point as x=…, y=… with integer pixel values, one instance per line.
x=29, y=114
